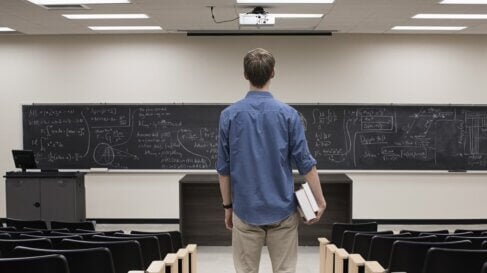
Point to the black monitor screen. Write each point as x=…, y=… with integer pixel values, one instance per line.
x=24, y=159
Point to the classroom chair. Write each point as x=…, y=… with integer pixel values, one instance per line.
x=126, y=255
x=476, y=232
x=5, y=236
x=73, y=226
x=176, y=238
x=7, y=246
x=349, y=237
x=484, y=268
x=362, y=242
x=8, y=229
x=418, y=232
x=476, y=241
x=441, y=260
x=442, y=236
x=46, y=231
x=41, y=264
x=20, y=224
x=55, y=239
x=410, y=256
x=381, y=246
x=17, y=234
x=338, y=229
x=149, y=246
x=93, y=260
x=107, y=233
x=165, y=244
x=84, y=235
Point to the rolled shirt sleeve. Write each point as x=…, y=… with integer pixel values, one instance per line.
x=223, y=161
x=299, y=146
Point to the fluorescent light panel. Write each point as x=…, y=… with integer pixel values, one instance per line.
x=285, y=1
x=296, y=15
x=125, y=28
x=449, y=16
x=440, y=28
x=6, y=29
x=464, y=2
x=77, y=2
x=106, y=16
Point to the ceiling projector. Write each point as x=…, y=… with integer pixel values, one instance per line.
x=257, y=17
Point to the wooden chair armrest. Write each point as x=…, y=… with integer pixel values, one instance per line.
x=355, y=262
x=341, y=261
x=374, y=267
x=183, y=260
x=330, y=258
x=171, y=262
x=193, y=253
x=323, y=242
x=156, y=267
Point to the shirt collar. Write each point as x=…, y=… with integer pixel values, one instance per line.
x=259, y=94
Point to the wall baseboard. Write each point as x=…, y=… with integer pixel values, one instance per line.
x=424, y=221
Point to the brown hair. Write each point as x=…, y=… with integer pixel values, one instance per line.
x=259, y=66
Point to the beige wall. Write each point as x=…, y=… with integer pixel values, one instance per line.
x=174, y=68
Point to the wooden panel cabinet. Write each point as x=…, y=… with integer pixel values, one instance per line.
x=202, y=215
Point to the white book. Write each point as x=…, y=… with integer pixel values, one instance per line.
x=304, y=205
x=311, y=197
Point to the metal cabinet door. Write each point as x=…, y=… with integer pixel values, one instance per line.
x=58, y=199
x=23, y=198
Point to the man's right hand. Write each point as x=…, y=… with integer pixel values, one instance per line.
x=229, y=219
x=321, y=210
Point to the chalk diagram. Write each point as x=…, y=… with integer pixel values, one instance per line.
x=186, y=137
x=105, y=154
x=476, y=138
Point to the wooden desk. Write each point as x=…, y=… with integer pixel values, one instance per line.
x=202, y=216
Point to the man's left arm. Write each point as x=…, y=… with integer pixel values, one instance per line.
x=225, y=190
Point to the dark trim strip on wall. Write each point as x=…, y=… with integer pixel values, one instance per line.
x=424, y=221
x=379, y=221
x=128, y=220
x=135, y=220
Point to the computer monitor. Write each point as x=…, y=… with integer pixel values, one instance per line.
x=24, y=159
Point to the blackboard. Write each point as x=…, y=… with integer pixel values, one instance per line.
x=184, y=136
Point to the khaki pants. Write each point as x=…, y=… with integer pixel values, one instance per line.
x=281, y=239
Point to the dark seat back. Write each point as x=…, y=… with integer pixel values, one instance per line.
x=149, y=246
x=176, y=238
x=165, y=243
x=476, y=241
x=409, y=256
x=55, y=239
x=20, y=224
x=94, y=260
x=476, y=232
x=47, y=231
x=16, y=234
x=5, y=236
x=484, y=268
x=107, y=233
x=349, y=238
x=381, y=246
x=442, y=236
x=338, y=229
x=418, y=232
x=441, y=260
x=40, y=264
x=8, y=229
x=7, y=246
x=72, y=226
x=361, y=243
x=83, y=235
x=126, y=254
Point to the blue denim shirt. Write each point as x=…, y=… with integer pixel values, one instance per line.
x=259, y=140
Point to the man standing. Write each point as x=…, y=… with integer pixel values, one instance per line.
x=259, y=139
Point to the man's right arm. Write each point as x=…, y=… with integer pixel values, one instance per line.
x=305, y=163
x=315, y=185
